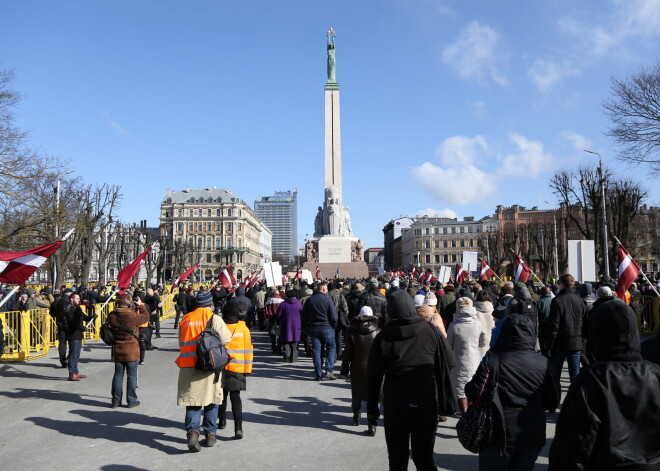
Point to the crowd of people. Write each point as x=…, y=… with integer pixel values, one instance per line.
x=416, y=353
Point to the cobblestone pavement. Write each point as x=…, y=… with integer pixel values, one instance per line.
x=290, y=421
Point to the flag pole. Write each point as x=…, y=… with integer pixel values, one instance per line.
x=640, y=270
x=495, y=274
x=530, y=269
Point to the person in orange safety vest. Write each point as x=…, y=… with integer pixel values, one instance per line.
x=234, y=378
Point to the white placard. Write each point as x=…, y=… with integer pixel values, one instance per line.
x=582, y=260
x=307, y=276
x=273, y=274
x=443, y=274
x=470, y=261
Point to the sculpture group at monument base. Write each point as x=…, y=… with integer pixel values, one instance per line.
x=358, y=270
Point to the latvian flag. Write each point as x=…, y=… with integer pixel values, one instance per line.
x=318, y=273
x=226, y=277
x=124, y=276
x=522, y=270
x=413, y=272
x=17, y=267
x=486, y=272
x=461, y=274
x=628, y=272
x=185, y=275
x=285, y=279
x=298, y=274
x=254, y=278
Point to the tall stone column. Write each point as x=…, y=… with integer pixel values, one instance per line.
x=332, y=126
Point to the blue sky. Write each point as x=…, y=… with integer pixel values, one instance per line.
x=447, y=107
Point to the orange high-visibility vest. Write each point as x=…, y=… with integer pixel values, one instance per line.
x=240, y=348
x=191, y=326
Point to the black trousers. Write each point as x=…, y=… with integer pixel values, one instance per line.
x=415, y=423
x=236, y=405
x=290, y=351
x=61, y=347
x=261, y=319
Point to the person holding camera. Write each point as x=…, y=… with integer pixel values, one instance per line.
x=75, y=319
x=124, y=322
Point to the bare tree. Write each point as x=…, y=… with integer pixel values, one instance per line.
x=634, y=110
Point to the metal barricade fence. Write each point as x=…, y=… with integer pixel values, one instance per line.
x=27, y=334
x=648, y=315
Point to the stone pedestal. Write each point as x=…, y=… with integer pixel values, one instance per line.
x=334, y=249
x=356, y=270
x=330, y=253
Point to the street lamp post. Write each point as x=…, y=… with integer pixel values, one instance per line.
x=606, y=259
x=554, y=223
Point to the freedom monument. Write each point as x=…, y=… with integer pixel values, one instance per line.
x=334, y=247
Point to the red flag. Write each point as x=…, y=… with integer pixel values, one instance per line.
x=285, y=279
x=486, y=272
x=17, y=267
x=185, y=275
x=413, y=272
x=254, y=278
x=226, y=277
x=522, y=270
x=318, y=273
x=298, y=274
x=461, y=274
x=628, y=272
x=124, y=277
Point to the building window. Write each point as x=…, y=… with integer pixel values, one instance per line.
x=218, y=226
x=437, y=258
x=436, y=230
x=427, y=258
x=208, y=212
x=167, y=214
x=229, y=227
x=469, y=229
x=199, y=243
x=200, y=226
x=461, y=229
x=218, y=258
x=208, y=226
x=428, y=244
x=218, y=212
x=218, y=242
x=180, y=212
x=208, y=258
x=437, y=244
x=239, y=242
x=416, y=244
x=229, y=242
x=209, y=243
x=191, y=226
x=179, y=227
x=239, y=227
x=471, y=243
x=445, y=243
x=445, y=258
x=428, y=231
x=453, y=230
x=444, y=230
x=453, y=242
x=453, y=258
x=462, y=243
x=415, y=259
x=229, y=212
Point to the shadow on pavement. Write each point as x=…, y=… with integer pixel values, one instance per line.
x=9, y=371
x=122, y=467
x=455, y=462
x=109, y=425
x=49, y=395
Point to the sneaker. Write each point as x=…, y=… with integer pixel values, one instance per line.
x=134, y=404
x=330, y=376
x=141, y=363
x=193, y=441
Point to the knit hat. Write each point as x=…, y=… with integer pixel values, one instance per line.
x=463, y=302
x=30, y=291
x=430, y=299
x=204, y=299
x=366, y=311
x=419, y=300
x=230, y=312
x=395, y=282
x=449, y=288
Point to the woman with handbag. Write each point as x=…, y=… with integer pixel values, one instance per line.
x=526, y=385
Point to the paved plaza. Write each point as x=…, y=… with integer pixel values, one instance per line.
x=290, y=421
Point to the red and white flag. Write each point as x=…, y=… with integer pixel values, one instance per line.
x=254, y=278
x=486, y=272
x=461, y=274
x=285, y=279
x=17, y=267
x=298, y=274
x=226, y=277
x=628, y=272
x=318, y=273
x=413, y=272
x=124, y=277
x=185, y=275
x=522, y=270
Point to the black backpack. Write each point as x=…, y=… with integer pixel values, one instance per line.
x=211, y=353
x=106, y=333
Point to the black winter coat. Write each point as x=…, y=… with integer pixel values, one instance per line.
x=567, y=314
x=74, y=322
x=377, y=302
x=528, y=384
x=610, y=418
x=414, y=359
x=359, y=337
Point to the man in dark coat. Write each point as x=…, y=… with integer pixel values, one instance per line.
x=376, y=301
x=74, y=318
x=124, y=323
x=57, y=312
x=610, y=418
x=567, y=314
x=319, y=318
x=528, y=386
x=544, y=319
x=359, y=337
x=412, y=356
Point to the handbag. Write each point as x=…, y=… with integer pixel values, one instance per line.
x=476, y=430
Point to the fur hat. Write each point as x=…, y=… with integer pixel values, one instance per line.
x=463, y=302
x=431, y=299
x=204, y=299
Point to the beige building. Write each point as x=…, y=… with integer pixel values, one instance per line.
x=214, y=226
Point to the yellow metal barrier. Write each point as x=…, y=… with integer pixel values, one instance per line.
x=29, y=334
x=648, y=320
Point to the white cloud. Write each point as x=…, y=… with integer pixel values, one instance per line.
x=455, y=185
x=118, y=127
x=577, y=141
x=528, y=160
x=461, y=150
x=477, y=54
x=546, y=73
x=437, y=213
x=479, y=109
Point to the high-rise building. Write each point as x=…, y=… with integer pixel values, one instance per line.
x=280, y=213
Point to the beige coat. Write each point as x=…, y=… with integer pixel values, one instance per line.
x=198, y=389
x=431, y=314
x=485, y=315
